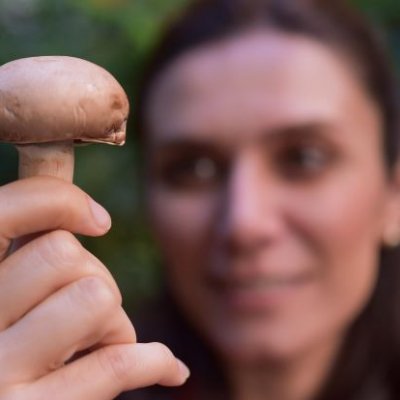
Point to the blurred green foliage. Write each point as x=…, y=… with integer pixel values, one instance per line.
x=116, y=34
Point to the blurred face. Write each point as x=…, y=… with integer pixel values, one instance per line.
x=267, y=192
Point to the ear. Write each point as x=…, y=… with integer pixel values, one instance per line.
x=391, y=223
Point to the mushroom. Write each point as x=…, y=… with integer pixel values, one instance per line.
x=47, y=104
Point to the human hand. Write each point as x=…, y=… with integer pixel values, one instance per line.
x=57, y=300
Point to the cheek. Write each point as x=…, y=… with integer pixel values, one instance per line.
x=342, y=220
x=181, y=225
x=342, y=228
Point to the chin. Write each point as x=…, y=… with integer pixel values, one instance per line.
x=256, y=347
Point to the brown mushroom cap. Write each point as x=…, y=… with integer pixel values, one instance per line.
x=57, y=98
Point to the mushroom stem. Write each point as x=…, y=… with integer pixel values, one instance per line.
x=50, y=159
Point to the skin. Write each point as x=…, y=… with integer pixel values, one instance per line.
x=269, y=149
x=57, y=299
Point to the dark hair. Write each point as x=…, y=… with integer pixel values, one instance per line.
x=370, y=358
x=330, y=21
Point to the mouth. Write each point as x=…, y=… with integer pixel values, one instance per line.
x=259, y=293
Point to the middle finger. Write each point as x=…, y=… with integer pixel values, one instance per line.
x=42, y=267
x=77, y=317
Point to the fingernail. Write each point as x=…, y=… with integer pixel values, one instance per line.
x=184, y=370
x=100, y=215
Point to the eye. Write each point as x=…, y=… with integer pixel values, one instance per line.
x=303, y=161
x=191, y=173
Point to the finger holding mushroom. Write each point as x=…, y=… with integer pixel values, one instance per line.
x=50, y=103
x=56, y=299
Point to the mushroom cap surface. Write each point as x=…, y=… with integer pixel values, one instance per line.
x=59, y=98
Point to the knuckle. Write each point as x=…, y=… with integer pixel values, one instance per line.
x=60, y=249
x=116, y=362
x=96, y=294
x=94, y=266
x=63, y=196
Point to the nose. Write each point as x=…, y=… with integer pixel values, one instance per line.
x=249, y=217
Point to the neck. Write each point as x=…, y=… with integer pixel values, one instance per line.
x=299, y=378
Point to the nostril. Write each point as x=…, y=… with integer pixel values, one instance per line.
x=244, y=242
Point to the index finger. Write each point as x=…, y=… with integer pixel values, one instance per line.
x=40, y=204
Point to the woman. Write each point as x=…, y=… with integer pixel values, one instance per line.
x=270, y=130
x=273, y=188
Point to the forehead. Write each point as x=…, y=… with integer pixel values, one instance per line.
x=257, y=81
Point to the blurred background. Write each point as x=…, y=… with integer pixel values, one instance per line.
x=118, y=35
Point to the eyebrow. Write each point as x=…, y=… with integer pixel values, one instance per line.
x=298, y=131
x=184, y=142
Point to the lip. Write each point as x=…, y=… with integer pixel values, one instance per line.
x=259, y=294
